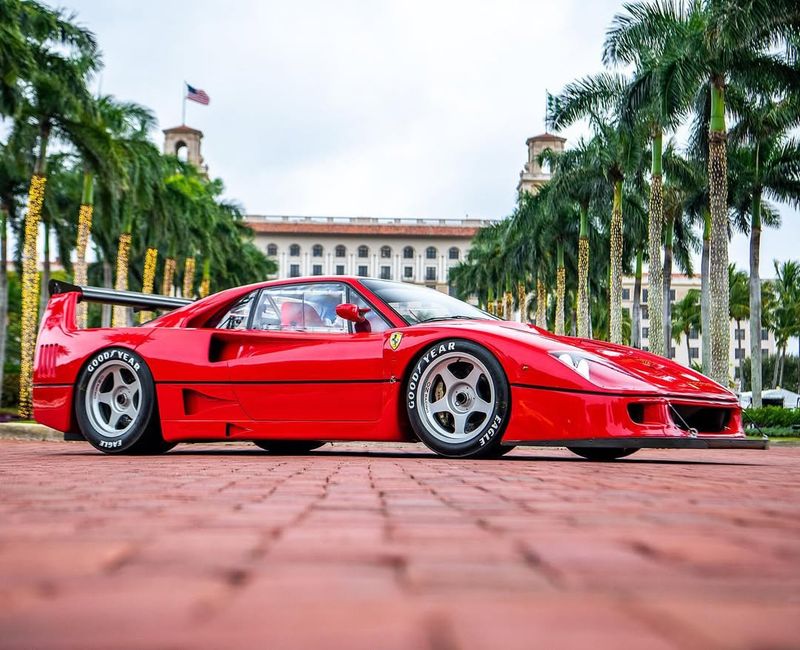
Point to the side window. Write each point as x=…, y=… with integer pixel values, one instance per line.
x=236, y=318
x=301, y=307
x=374, y=323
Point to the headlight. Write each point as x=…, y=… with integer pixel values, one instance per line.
x=577, y=362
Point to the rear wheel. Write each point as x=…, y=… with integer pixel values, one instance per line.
x=115, y=404
x=457, y=398
x=288, y=446
x=603, y=453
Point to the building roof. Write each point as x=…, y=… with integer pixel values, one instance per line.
x=183, y=129
x=466, y=228
x=547, y=137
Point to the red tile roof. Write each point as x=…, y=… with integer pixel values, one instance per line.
x=386, y=230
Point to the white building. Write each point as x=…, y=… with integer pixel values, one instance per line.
x=692, y=353
x=421, y=251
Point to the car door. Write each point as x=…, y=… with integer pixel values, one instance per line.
x=298, y=361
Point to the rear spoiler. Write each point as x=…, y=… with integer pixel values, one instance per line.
x=117, y=297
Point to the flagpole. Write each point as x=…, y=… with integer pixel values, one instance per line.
x=183, y=98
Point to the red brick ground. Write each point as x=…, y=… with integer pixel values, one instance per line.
x=374, y=547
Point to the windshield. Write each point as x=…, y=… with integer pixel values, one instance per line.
x=418, y=304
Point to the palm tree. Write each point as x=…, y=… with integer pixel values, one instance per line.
x=739, y=309
x=63, y=56
x=686, y=318
x=767, y=162
x=785, y=315
x=716, y=44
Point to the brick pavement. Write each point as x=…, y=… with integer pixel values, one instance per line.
x=357, y=546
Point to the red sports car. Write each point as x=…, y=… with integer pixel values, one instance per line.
x=292, y=364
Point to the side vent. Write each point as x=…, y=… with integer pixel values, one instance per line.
x=195, y=402
x=47, y=360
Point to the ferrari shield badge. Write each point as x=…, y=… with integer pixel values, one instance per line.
x=394, y=340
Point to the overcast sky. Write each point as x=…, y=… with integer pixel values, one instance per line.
x=346, y=108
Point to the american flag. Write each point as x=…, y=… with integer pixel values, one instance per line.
x=197, y=95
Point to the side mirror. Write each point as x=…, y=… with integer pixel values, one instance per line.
x=351, y=312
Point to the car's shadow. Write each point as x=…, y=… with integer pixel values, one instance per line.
x=190, y=451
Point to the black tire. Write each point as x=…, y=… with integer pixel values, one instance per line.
x=288, y=447
x=603, y=453
x=476, y=411
x=119, y=385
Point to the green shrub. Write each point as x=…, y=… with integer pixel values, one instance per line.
x=771, y=416
x=10, y=392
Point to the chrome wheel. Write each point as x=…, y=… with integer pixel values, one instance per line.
x=457, y=396
x=113, y=399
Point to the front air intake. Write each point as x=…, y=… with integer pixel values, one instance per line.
x=704, y=419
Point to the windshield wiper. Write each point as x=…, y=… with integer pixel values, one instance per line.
x=433, y=318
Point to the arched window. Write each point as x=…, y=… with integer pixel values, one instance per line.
x=294, y=250
x=272, y=250
x=430, y=252
x=316, y=251
x=363, y=251
x=341, y=251
x=408, y=253
x=454, y=253
x=386, y=251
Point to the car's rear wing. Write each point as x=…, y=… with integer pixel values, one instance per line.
x=118, y=297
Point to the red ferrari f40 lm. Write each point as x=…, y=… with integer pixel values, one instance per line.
x=293, y=364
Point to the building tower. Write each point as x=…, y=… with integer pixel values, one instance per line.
x=180, y=138
x=532, y=176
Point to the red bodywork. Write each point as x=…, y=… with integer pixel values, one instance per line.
x=215, y=384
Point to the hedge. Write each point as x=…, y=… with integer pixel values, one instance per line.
x=771, y=416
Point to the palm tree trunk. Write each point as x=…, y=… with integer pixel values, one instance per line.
x=43, y=291
x=636, y=324
x=4, y=212
x=615, y=298
x=148, y=279
x=718, y=200
x=541, y=303
x=741, y=356
x=30, y=274
x=655, y=280
x=755, y=296
x=669, y=233
x=108, y=279
x=84, y=231
x=120, y=314
x=776, y=367
x=583, y=274
x=521, y=293
x=489, y=299
x=561, y=282
x=705, y=298
x=169, y=276
x=188, y=277
x=783, y=363
x=688, y=348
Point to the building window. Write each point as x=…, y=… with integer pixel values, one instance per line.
x=645, y=313
x=764, y=334
x=386, y=252
x=694, y=353
x=736, y=372
x=672, y=295
x=341, y=251
x=430, y=253
x=738, y=353
x=317, y=269
x=294, y=250
x=316, y=251
x=739, y=334
x=386, y=273
x=430, y=274
x=294, y=271
x=645, y=332
x=644, y=295
x=408, y=253
x=408, y=272
x=626, y=294
x=363, y=251
x=454, y=253
x=362, y=271
x=272, y=250
x=672, y=353
x=626, y=312
x=764, y=353
x=340, y=269
x=694, y=333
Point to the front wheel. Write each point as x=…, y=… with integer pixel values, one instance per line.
x=458, y=400
x=115, y=404
x=603, y=453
